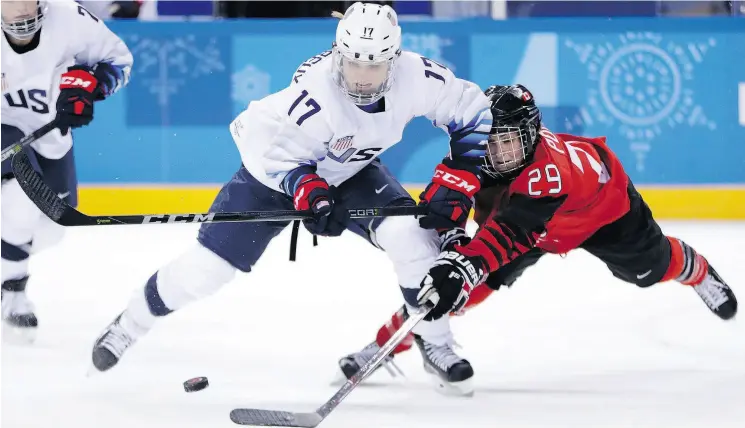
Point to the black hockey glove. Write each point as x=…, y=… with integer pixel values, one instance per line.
x=78, y=91
x=309, y=191
x=452, y=237
x=452, y=278
x=449, y=196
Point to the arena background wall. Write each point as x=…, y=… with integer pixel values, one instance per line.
x=668, y=93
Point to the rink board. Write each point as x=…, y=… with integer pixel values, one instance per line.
x=645, y=84
x=667, y=202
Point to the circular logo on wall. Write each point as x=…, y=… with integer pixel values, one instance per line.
x=640, y=84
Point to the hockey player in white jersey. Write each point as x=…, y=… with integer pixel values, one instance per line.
x=57, y=61
x=314, y=145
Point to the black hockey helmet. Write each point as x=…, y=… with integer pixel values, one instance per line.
x=514, y=132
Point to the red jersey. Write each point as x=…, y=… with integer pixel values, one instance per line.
x=572, y=187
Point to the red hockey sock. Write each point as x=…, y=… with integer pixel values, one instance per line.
x=388, y=329
x=478, y=295
x=686, y=265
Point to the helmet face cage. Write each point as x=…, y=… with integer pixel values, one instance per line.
x=26, y=26
x=508, y=148
x=514, y=132
x=364, y=82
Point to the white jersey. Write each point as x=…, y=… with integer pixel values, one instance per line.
x=70, y=35
x=312, y=122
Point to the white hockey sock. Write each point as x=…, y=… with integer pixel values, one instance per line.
x=436, y=332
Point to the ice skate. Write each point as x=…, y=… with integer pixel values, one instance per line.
x=19, y=320
x=351, y=363
x=114, y=341
x=452, y=374
x=717, y=295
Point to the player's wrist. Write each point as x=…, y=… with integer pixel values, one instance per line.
x=449, y=238
x=464, y=164
x=479, y=254
x=108, y=77
x=296, y=177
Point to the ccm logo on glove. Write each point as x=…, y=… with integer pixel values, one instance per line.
x=77, y=78
x=78, y=92
x=75, y=82
x=458, y=183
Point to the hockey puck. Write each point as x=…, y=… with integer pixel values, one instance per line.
x=196, y=384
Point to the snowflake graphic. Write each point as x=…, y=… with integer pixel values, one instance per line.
x=641, y=85
x=428, y=45
x=165, y=66
x=250, y=84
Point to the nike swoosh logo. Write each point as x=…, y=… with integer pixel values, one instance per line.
x=644, y=275
x=63, y=195
x=381, y=189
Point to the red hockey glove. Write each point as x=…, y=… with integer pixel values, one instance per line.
x=311, y=192
x=449, y=197
x=78, y=91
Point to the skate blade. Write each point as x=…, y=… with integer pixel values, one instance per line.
x=18, y=335
x=339, y=378
x=452, y=389
x=92, y=371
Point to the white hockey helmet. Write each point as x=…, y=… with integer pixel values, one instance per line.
x=368, y=41
x=21, y=19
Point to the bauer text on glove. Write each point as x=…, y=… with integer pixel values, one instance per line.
x=452, y=278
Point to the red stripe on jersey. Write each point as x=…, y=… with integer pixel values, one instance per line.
x=500, y=228
x=495, y=248
x=477, y=248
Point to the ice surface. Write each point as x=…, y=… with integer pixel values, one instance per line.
x=567, y=346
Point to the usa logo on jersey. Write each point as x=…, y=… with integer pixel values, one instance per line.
x=342, y=143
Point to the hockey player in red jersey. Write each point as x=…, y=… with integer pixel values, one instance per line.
x=552, y=193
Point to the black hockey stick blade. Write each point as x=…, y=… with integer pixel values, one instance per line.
x=62, y=213
x=278, y=418
x=28, y=139
x=275, y=418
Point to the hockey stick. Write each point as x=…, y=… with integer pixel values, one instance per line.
x=28, y=139
x=61, y=213
x=280, y=418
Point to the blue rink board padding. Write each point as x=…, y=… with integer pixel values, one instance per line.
x=664, y=91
